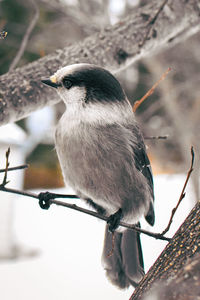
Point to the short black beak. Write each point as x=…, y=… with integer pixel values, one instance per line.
x=50, y=83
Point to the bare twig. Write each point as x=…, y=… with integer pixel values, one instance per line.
x=26, y=36
x=150, y=92
x=83, y=210
x=151, y=22
x=49, y=198
x=182, y=193
x=159, y=137
x=14, y=168
x=6, y=169
x=17, y=192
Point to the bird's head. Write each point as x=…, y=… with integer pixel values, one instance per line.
x=86, y=83
x=92, y=93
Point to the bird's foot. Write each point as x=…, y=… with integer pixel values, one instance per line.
x=45, y=200
x=114, y=220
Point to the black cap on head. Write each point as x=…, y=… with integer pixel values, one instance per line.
x=100, y=84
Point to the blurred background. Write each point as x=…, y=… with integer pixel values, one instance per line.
x=173, y=111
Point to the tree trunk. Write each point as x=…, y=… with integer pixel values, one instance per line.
x=171, y=271
x=151, y=27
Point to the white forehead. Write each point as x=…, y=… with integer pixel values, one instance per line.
x=62, y=72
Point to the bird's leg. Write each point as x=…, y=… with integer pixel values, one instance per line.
x=45, y=200
x=114, y=219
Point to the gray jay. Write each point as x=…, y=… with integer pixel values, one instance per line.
x=103, y=158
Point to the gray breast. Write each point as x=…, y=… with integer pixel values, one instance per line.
x=99, y=162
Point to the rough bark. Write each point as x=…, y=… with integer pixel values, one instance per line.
x=185, y=286
x=149, y=28
x=171, y=266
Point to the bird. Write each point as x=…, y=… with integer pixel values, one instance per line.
x=103, y=158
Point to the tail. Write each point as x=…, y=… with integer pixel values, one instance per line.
x=125, y=266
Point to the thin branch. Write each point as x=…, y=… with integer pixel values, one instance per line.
x=50, y=199
x=26, y=36
x=17, y=192
x=150, y=92
x=152, y=22
x=54, y=196
x=100, y=49
x=6, y=169
x=83, y=210
x=15, y=168
x=159, y=137
x=182, y=193
x=104, y=218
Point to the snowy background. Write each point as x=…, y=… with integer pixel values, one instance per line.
x=61, y=248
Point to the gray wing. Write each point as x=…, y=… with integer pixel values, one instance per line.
x=143, y=165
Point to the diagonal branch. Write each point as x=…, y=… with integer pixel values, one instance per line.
x=81, y=209
x=14, y=168
x=182, y=193
x=150, y=92
x=26, y=36
x=151, y=23
x=114, y=48
x=46, y=199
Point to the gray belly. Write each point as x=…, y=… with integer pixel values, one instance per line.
x=103, y=170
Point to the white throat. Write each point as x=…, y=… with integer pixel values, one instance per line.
x=97, y=113
x=74, y=95
x=94, y=112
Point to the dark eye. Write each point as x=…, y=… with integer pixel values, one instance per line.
x=67, y=83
